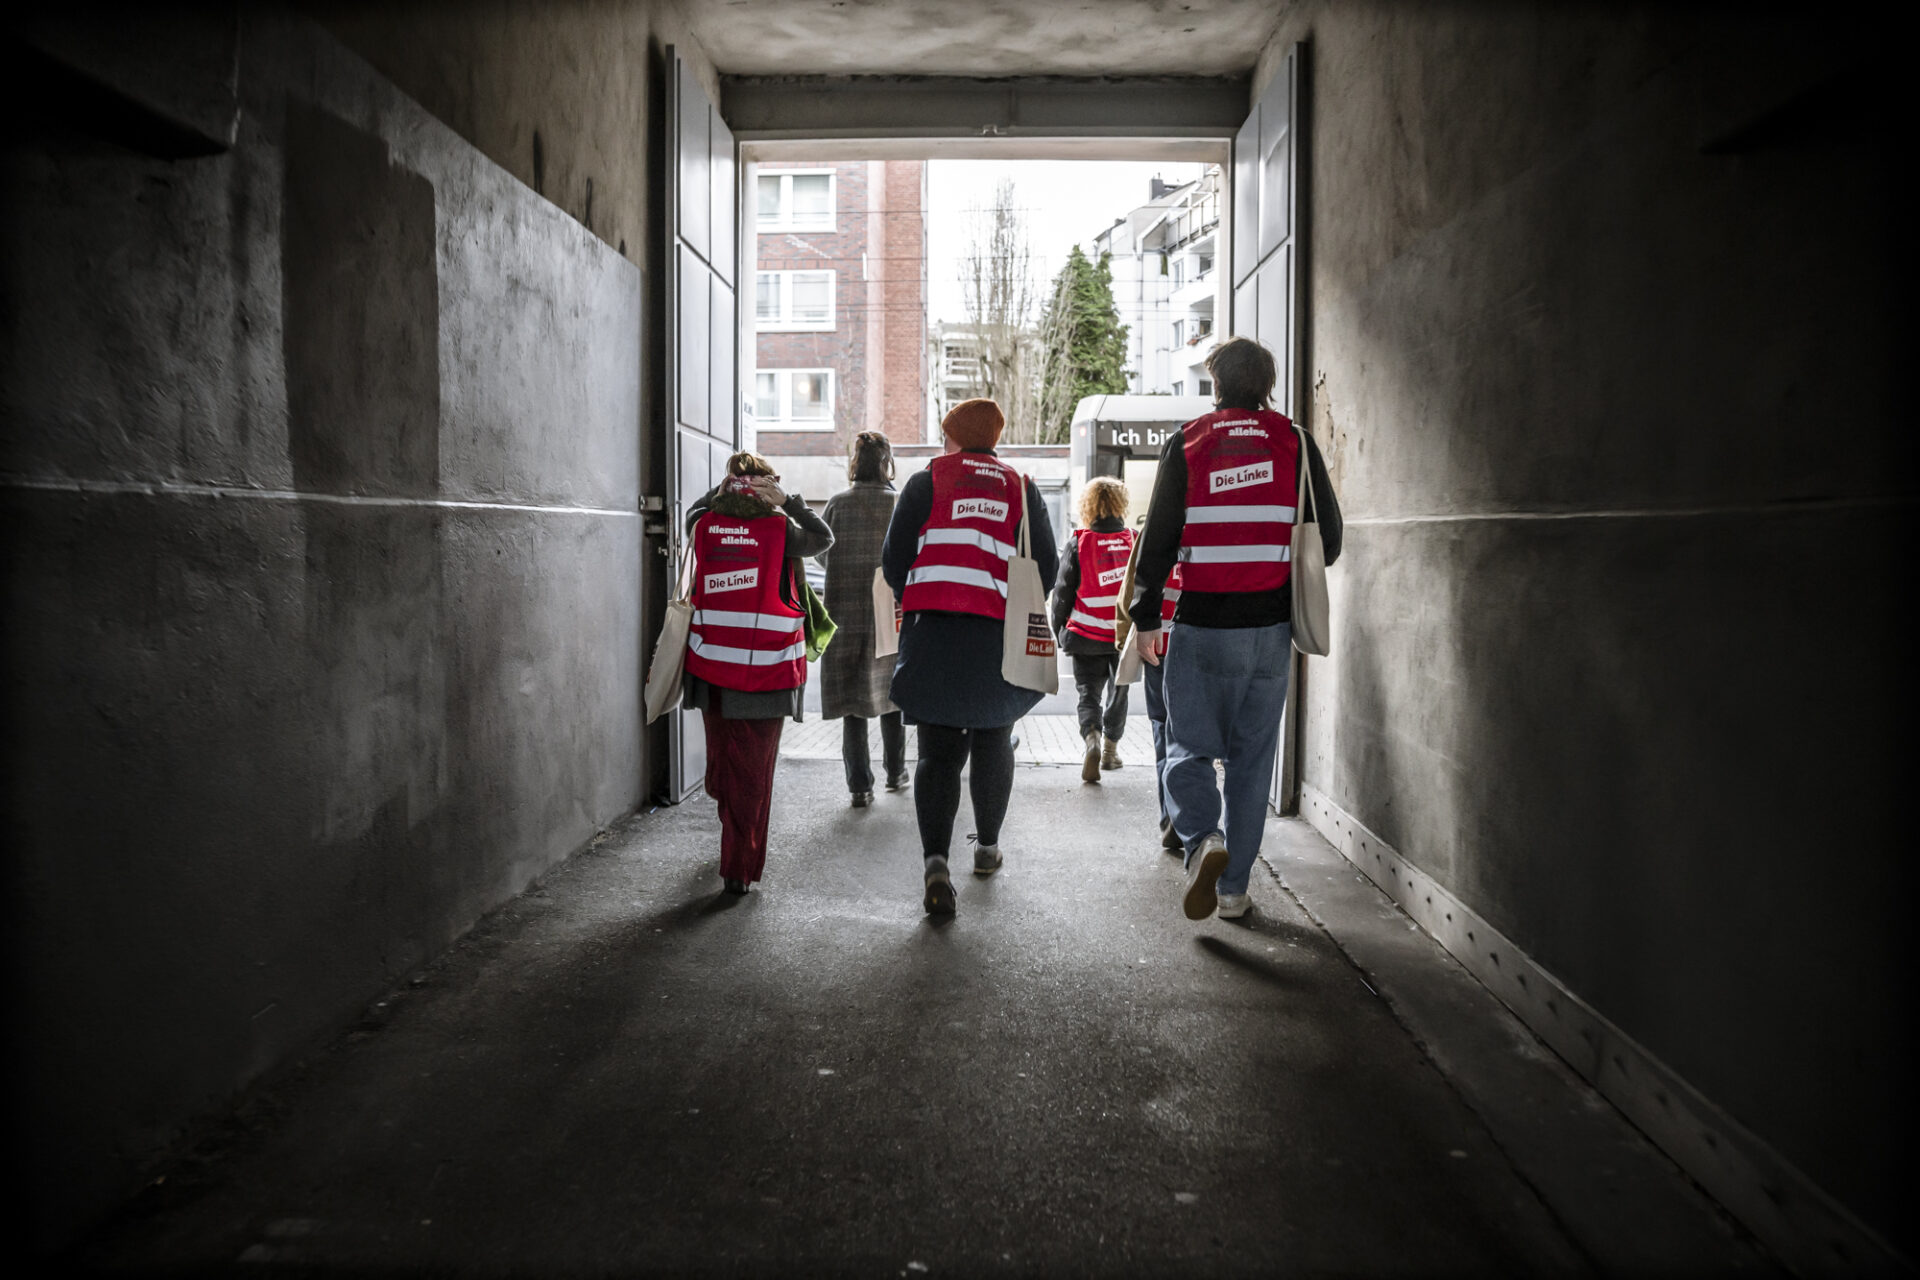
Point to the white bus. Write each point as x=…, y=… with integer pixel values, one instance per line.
x=1122, y=436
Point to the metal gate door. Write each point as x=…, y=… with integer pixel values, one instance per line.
x=702, y=347
x=1269, y=286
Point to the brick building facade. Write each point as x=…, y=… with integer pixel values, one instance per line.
x=840, y=312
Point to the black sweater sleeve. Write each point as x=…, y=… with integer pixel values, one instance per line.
x=1046, y=556
x=1069, y=585
x=1326, y=506
x=1160, y=538
x=903, y=531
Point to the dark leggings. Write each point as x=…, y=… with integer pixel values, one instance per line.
x=944, y=752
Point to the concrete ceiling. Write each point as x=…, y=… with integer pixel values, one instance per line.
x=982, y=37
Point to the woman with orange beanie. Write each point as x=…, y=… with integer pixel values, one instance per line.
x=953, y=532
x=746, y=650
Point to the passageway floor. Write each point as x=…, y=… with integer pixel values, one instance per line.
x=624, y=1071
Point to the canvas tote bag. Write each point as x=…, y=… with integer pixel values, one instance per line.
x=886, y=616
x=1027, y=659
x=670, y=650
x=1312, y=623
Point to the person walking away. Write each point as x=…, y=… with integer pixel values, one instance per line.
x=853, y=681
x=1223, y=510
x=746, y=648
x=1151, y=682
x=953, y=532
x=1093, y=561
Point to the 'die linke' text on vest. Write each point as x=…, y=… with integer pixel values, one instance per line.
x=960, y=561
x=744, y=636
x=1241, y=487
x=1103, y=563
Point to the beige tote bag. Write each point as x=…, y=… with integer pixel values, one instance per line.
x=670, y=650
x=1027, y=658
x=1312, y=623
x=886, y=616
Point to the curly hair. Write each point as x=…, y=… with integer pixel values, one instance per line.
x=1103, y=498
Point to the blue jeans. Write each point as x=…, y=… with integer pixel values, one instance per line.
x=1225, y=689
x=1150, y=678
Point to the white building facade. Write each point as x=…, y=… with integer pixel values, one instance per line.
x=1168, y=285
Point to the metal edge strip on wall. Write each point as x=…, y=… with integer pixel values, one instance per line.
x=1810, y=1231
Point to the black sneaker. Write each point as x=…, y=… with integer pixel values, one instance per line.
x=899, y=782
x=1169, y=838
x=939, y=901
x=736, y=886
x=861, y=799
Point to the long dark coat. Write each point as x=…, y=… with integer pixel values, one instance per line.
x=853, y=682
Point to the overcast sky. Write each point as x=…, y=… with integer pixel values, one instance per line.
x=1066, y=202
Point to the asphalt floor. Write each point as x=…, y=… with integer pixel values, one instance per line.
x=625, y=1071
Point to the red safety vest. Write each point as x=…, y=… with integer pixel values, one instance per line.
x=1103, y=563
x=960, y=562
x=1241, y=487
x=744, y=636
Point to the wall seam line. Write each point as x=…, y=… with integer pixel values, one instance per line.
x=118, y=488
x=1645, y=513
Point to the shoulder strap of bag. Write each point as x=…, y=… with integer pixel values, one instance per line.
x=1020, y=482
x=1304, y=503
x=682, y=579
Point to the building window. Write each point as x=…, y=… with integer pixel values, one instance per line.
x=798, y=200
x=1180, y=387
x=1206, y=387
x=788, y=300
x=793, y=399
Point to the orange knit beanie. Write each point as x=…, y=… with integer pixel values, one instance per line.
x=974, y=424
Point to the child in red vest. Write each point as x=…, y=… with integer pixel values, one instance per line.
x=1092, y=564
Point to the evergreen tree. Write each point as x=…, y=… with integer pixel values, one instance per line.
x=1085, y=345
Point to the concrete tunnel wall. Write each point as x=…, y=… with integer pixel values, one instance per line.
x=1635, y=267
x=1532, y=292
x=324, y=582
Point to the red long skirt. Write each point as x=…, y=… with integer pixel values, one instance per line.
x=740, y=760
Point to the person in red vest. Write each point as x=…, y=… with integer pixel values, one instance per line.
x=1092, y=563
x=953, y=532
x=746, y=649
x=1223, y=511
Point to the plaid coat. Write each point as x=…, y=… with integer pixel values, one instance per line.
x=853, y=682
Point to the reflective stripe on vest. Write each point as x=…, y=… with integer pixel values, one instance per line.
x=972, y=530
x=1170, y=598
x=1103, y=564
x=743, y=635
x=1241, y=486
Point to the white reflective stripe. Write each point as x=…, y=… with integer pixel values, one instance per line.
x=746, y=657
x=965, y=538
x=754, y=621
x=1088, y=620
x=1099, y=602
x=1239, y=515
x=1170, y=594
x=1234, y=555
x=957, y=575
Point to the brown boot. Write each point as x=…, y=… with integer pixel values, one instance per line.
x=1110, y=758
x=1090, y=767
